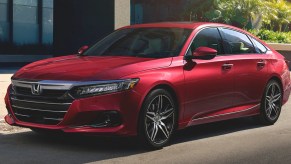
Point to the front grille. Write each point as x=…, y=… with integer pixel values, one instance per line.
x=45, y=92
x=49, y=108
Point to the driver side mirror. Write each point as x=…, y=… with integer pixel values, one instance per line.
x=204, y=53
x=82, y=50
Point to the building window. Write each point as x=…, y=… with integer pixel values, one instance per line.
x=26, y=26
x=4, y=25
x=47, y=22
x=25, y=22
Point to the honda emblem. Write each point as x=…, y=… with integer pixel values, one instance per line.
x=36, y=89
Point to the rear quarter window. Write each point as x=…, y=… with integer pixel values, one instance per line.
x=259, y=46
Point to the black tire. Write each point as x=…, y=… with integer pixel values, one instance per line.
x=271, y=103
x=157, y=120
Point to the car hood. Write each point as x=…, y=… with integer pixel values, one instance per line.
x=84, y=68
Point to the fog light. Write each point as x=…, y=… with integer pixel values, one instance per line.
x=106, y=119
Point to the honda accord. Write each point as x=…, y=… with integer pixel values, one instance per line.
x=149, y=80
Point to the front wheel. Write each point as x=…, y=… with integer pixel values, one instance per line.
x=271, y=103
x=158, y=119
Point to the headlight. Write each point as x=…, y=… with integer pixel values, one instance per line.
x=103, y=88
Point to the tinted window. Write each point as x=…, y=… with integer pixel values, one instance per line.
x=142, y=42
x=209, y=37
x=237, y=43
x=260, y=47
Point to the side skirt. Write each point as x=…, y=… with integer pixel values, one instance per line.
x=244, y=111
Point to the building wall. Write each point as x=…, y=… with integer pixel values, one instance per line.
x=121, y=13
x=146, y=11
x=78, y=23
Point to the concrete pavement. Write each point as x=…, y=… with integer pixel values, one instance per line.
x=5, y=75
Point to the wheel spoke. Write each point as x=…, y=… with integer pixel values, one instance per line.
x=154, y=132
x=164, y=129
x=167, y=114
x=268, y=111
x=277, y=97
x=268, y=98
x=273, y=89
x=165, y=108
x=153, y=107
x=167, y=111
x=160, y=103
x=275, y=109
x=150, y=115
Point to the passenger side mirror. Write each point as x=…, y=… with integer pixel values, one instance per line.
x=82, y=50
x=204, y=53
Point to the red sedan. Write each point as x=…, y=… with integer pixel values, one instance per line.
x=151, y=79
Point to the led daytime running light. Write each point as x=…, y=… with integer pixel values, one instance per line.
x=116, y=86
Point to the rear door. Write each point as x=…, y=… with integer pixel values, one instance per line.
x=250, y=63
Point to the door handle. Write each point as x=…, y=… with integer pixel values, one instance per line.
x=227, y=66
x=261, y=63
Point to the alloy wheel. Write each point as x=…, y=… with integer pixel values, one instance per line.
x=273, y=101
x=160, y=119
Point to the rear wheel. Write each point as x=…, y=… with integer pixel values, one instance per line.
x=158, y=119
x=271, y=103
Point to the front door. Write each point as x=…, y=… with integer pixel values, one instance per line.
x=209, y=83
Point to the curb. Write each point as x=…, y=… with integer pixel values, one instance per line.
x=280, y=46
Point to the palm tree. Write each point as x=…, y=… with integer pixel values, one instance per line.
x=240, y=12
x=279, y=14
x=236, y=12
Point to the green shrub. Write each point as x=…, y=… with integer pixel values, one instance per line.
x=272, y=36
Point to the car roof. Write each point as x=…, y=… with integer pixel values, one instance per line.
x=189, y=25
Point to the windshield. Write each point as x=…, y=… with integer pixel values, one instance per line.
x=141, y=42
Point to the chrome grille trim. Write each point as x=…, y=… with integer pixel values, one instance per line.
x=40, y=102
x=22, y=115
x=55, y=119
x=58, y=84
x=38, y=109
x=45, y=84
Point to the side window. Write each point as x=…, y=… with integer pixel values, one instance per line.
x=236, y=42
x=259, y=46
x=209, y=37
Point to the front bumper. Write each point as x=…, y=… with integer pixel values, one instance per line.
x=82, y=111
